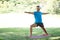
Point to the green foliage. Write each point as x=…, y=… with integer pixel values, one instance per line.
x=6, y=6
x=56, y=7
x=14, y=5
x=4, y=0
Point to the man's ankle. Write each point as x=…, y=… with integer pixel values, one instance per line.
x=47, y=34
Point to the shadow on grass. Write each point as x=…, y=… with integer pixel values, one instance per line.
x=21, y=34
x=18, y=37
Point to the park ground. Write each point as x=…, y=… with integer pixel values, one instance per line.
x=22, y=33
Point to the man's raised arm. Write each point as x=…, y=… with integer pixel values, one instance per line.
x=45, y=13
x=29, y=12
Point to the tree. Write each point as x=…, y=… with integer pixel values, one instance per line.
x=57, y=7
x=4, y=0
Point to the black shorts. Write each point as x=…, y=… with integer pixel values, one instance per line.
x=40, y=24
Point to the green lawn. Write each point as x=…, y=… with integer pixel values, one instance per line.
x=22, y=33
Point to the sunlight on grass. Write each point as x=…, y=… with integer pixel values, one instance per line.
x=55, y=38
x=22, y=33
x=34, y=32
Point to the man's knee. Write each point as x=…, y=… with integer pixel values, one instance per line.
x=33, y=25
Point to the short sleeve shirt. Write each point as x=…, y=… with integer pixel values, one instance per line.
x=38, y=17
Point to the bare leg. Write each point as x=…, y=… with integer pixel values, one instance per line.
x=44, y=30
x=33, y=25
x=30, y=31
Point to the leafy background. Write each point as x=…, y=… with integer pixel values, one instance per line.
x=50, y=6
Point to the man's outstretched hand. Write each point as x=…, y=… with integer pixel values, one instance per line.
x=45, y=13
x=29, y=12
x=25, y=12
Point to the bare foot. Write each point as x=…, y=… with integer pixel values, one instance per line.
x=45, y=34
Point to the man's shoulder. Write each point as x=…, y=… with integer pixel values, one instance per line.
x=37, y=12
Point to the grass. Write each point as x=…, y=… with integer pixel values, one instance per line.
x=21, y=33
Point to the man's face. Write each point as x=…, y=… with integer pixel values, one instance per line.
x=38, y=8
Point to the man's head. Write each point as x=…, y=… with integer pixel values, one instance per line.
x=38, y=8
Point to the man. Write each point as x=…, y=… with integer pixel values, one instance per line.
x=38, y=20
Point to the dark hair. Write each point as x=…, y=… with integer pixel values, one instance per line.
x=37, y=6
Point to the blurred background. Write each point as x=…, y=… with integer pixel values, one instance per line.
x=12, y=13
x=15, y=24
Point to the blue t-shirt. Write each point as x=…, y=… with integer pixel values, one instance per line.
x=38, y=17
